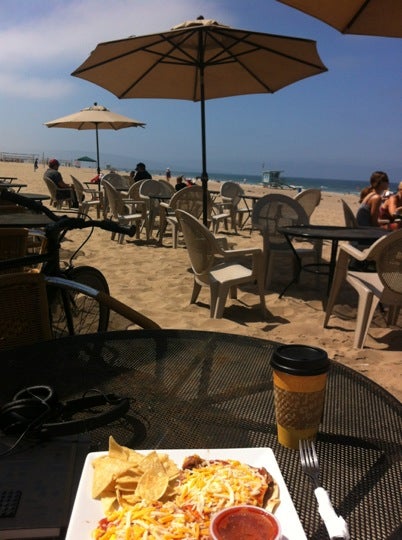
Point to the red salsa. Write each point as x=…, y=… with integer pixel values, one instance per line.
x=245, y=522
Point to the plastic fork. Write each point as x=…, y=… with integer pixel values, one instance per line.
x=336, y=525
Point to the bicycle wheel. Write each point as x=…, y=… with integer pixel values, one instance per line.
x=85, y=313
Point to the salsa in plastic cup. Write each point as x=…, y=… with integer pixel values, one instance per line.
x=246, y=522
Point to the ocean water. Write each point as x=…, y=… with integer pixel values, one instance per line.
x=332, y=185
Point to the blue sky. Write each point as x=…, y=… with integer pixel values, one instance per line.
x=341, y=124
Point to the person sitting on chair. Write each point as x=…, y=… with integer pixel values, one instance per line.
x=180, y=183
x=371, y=199
x=96, y=179
x=55, y=176
x=391, y=210
x=141, y=173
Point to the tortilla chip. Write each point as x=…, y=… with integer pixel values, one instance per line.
x=154, y=482
x=106, y=471
x=274, y=500
x=129, y=480
x=122, y=452
x=116, y=451
x=109, y=503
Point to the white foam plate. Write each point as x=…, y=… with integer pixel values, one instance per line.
x=87, y=511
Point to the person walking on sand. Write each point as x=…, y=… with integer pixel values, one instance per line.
x=35, y=164
x=168, y=174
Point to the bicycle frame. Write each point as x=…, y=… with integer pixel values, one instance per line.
x=54, y=233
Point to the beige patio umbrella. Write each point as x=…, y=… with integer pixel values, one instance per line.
x=95, y=117
x=366, y=17
x=200, y=60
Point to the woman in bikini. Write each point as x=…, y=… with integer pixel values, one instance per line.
x=371, y=199
x=391, y=211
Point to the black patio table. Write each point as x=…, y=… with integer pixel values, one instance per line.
x=24, y=219
x=8, y=179
x=12, y=186
x=160, y=197
x=246, y=197
x=37, y=196
x=253, y=199
x=334, y=234
x=195, y=389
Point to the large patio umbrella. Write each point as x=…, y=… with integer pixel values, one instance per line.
x=366, y=17
x=200, y=60
x=95, y=117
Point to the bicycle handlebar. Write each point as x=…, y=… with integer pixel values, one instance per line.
x=64, y=222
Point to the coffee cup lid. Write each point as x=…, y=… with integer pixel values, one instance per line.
x=300, y=360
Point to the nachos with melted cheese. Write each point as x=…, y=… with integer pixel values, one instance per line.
x=179, y=504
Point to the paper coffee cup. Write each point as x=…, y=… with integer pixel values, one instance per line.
x=300, y=375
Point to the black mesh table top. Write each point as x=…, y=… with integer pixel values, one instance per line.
x=192, y=389
x=334, y=232
x=24, y=219
x=12, y=185
x=36, y=196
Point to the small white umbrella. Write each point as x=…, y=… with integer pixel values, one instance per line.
x=95, y=117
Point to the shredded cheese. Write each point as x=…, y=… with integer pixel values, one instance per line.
x=217, y=485
x=200, y=492
x=159, y=521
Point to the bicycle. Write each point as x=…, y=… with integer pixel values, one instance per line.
x=72, y=311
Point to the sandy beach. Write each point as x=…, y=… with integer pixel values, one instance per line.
x=156, y=280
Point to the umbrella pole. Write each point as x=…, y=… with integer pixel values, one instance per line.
x=204, y=174
x=97, y=153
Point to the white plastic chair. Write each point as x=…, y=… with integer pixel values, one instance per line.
x=309, y=199
x=59, y=196
x=269, y=214
x=138, y=204
x=350, y=218
x=384, y=285
x=87, y=198
x=231, y=195
x=117, y=180
x=149, y=190
x=222, y=275
x=121, y=211
x=189, y=199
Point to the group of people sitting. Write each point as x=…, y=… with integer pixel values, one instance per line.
x=67, y=190
x=140, y=173
x=379, y=206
